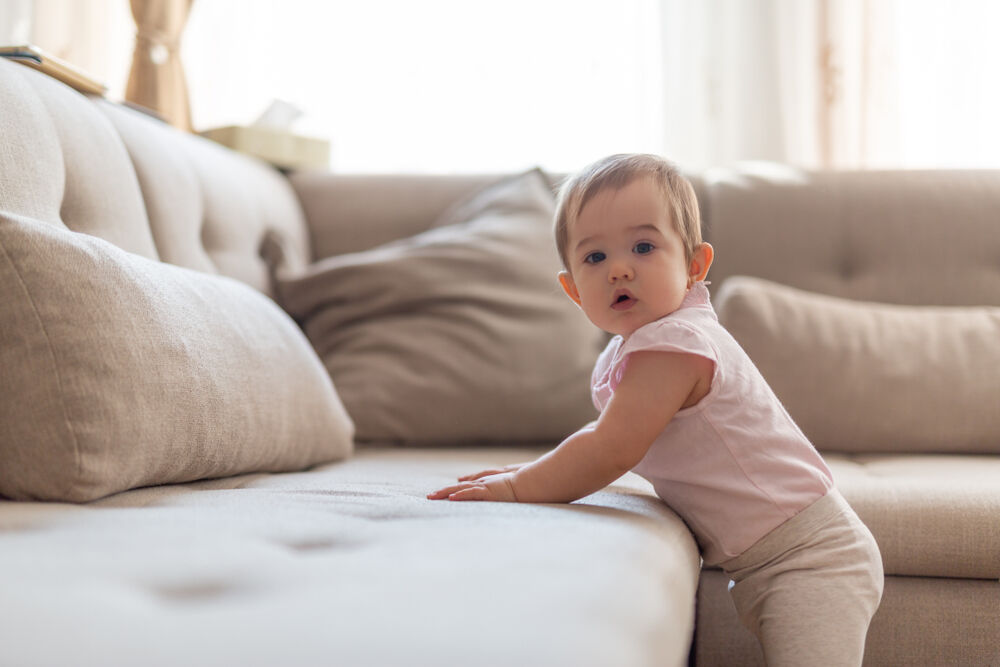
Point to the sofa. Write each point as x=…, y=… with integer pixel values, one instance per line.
x=227, y=391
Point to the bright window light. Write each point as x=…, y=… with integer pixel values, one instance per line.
x=439, y=85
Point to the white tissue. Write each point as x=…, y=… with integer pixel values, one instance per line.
x=280, y=115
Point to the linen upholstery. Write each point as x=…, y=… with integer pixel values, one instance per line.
x=208, y=208
x=854, y=374
x=120, y=371
x=932, y=515
x=159, y=192
x=348, y=564
x=905, y=237
x=920, y=621
x=51, y=141
x=459, y=334
x=354, y=212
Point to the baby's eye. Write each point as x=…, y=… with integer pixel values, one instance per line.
x=643, y=247
x=594, y=258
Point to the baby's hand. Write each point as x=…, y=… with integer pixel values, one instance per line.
x=514, y=467
x=498, y=488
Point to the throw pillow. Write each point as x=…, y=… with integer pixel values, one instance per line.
x=120, y=371
x=460, y=334
x=870, y=377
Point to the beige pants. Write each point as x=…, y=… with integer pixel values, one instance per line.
x=809, y=588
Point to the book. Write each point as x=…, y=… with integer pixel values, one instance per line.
x=36, y=58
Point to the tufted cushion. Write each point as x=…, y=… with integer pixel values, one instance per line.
x=347, y=565
x=151, y=190
x=209, y=208
x=906, y=237
x=61, y=161
x=120, y=371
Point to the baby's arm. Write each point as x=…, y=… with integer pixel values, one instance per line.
x=655, y=386
x=513, y=467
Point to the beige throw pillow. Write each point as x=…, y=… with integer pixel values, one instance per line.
x=119, y=371
x=871, y=377
x=460, y=334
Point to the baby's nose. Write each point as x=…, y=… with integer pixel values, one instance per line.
x=620, y=271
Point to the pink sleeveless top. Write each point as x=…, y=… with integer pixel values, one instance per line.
x=734, y=466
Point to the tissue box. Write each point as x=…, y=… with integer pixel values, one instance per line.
x=282, y=149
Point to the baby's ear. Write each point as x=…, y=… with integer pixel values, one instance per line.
x=566, y=280
x=701, y=261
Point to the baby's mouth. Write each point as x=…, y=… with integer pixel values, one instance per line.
x=623, y=300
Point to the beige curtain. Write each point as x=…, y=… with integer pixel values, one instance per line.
x=156, y=80
x=813, y=83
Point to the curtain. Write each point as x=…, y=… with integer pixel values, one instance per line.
x=805, y=82
x=95, y=36
x=836, y=84
x=15, y=22
x=813, y=83
x=156, y=80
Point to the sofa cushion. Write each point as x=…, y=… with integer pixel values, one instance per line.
x=932, y=515
x=348, y=564
x=458, y=334
x=869, y=377
x=120, y=371
x=920, y=621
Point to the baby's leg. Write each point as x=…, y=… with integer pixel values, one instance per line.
x=813, y=606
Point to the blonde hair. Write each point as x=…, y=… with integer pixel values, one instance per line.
x=617, y=171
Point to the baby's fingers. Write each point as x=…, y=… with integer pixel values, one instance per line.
x=480, y=475
x=449, y=492
x=471, y=493
x=441, y=494
x=465, y=491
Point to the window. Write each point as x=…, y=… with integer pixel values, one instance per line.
x=440, y=85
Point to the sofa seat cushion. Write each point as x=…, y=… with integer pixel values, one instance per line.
x=921, y=621
x=120, y=371
x=933, y=516
x=348, y=564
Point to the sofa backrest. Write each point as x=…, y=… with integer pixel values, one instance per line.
x=355, y=212
x=904, y=237
x=116, y=173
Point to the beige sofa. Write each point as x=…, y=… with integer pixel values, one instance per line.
x=183, y=483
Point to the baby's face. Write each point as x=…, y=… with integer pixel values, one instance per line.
x=627, y=265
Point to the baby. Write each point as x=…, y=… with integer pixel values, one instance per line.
x=682, y=405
